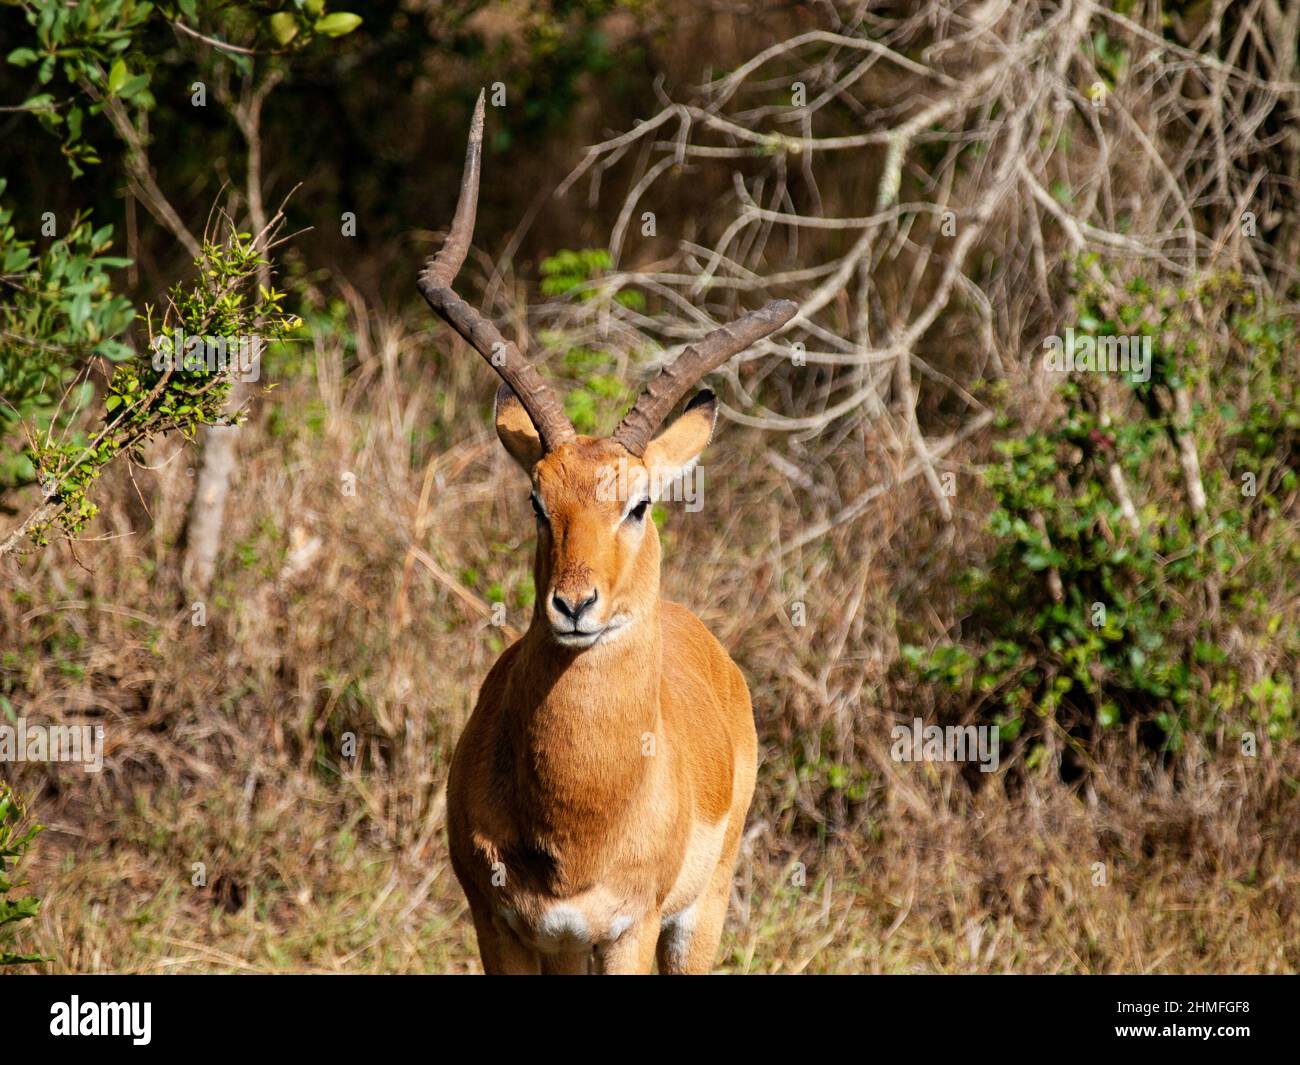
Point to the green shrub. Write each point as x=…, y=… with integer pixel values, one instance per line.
x=62, y=325
x=15, y=837
x=1077, y=621
x=146, y=395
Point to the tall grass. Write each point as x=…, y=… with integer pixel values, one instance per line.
x=272, y=797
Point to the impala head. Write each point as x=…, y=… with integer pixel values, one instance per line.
x=597, y=565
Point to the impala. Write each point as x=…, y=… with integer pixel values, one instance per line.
x=597, y=797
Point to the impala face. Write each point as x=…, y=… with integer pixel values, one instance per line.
x=597, y=564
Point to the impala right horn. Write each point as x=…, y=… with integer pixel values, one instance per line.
x=676, y=379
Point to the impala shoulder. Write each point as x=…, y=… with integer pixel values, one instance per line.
x=680, y=623
x=472, y=760
x=494, y=684
x=688, y=641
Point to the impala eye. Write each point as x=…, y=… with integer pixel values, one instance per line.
x=638, y=511
x=537, y=507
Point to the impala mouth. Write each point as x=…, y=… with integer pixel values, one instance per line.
x=580, y=638
x=576, y=637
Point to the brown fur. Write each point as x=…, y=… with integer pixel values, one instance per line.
x=599, y=793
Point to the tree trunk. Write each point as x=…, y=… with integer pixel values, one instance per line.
x=208, y=507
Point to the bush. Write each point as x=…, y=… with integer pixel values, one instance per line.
x=15, y=837
x=1079, y=620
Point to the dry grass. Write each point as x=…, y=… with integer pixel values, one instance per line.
x=365, y=614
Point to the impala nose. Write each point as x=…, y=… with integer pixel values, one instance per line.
x=571, y=610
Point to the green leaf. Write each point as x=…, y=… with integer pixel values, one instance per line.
x=8, y=958
x=117, y=76
x=18, y=910
x=41, y=102
x=337, y=24
x=133, y=86
x=284, y=26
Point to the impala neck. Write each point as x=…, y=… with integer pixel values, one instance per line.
x=578, y=721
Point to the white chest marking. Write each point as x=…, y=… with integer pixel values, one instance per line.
x=576, y=925
x=564, y=923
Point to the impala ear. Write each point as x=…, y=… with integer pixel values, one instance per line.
x=677, y=449
x=516, y=429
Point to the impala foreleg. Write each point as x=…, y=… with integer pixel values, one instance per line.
x=502, y=952
x=633, y=953
x=688, y=941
